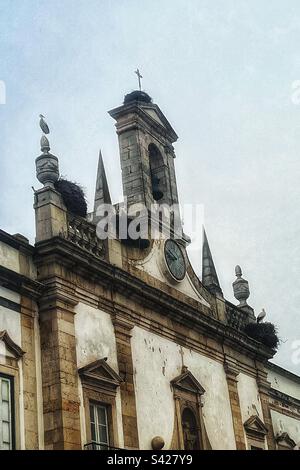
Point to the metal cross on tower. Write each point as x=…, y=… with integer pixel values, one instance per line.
x=139, y=78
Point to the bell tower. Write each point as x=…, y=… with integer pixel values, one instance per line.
x=146, y=151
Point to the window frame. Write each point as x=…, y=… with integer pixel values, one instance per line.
x=106, y=407
x=100, y=384
x=11, y=380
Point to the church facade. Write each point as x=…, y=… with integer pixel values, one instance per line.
x=116, y=342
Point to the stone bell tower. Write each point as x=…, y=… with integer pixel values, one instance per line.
x=146, y=151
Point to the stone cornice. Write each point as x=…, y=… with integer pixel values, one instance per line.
x=284, y=398
x=85, y=264
x=19, y=283
x=284, y=372
x=16, y=243
x=133, y=108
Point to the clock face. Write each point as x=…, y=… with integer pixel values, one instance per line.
x=175, y=260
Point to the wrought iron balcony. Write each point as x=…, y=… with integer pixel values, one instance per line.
x=97, y=446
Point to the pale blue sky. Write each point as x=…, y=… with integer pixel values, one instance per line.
x=220, y=70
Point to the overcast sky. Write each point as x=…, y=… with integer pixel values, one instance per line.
x=221, y=71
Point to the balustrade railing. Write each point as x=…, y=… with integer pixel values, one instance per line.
x=236, y=318
x=83, y=234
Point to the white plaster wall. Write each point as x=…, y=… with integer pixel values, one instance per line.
x=9, y=257
x=250, y=402
x=9, y=319
x=156, y=362
x=153, y=265
x=249, y=397
x=284, y=384
x=10, y=295
x=95, y=339
x=282, y=423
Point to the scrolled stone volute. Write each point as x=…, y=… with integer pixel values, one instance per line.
x=157, y=443
x=240, y=288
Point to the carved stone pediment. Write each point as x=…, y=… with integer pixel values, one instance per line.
x=100, y=375
x=10, y=345
x=284, y=440
x=187, y=382
x=255, y=427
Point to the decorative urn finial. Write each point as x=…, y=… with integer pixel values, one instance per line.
x=47, y=171
x=240, y=288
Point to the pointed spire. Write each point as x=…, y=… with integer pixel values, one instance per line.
x=102, y=195
x=209, y=273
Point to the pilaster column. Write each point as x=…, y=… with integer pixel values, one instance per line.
x=28, y=312
x=232, y=371
x=59, y=373
x=264, y=390
x=123, y=328
x=178, y=422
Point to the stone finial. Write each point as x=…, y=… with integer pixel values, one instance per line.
x=240, y=288
x=45, y=146
x=47, y=171
x=238, y=271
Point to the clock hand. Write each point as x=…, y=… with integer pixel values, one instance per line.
x=171, y=255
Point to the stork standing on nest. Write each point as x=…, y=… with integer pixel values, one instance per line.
x=261, y=316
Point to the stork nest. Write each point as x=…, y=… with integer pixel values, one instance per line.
x=73, y=196
x=265, y=333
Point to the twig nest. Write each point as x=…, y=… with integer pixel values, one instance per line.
x=265, y=333
x=73, y=196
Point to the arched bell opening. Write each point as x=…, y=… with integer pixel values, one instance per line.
x=157, y=172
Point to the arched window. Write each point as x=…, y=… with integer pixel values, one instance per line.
x=190, y=430
x=157, y=171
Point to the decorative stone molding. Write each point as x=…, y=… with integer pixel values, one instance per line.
x=255, y=427
x=187, y=382
x=241, y=292
x=19, y=283
x=284, y=441
x=101, y=376
x=231, y=367
x=188, y=395
x=11, y=345
x=285, y=400
x=256, y=432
